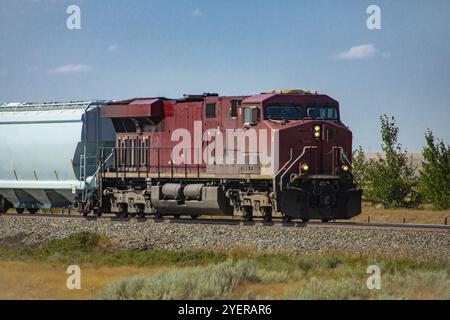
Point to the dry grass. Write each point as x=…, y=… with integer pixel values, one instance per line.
x=421, y=216
x=42, y=281
x=214, y=281
x=249, y=290
x=106, y=272
x=37, y=281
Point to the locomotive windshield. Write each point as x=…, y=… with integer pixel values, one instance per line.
x=323, y=113
x=284, y=112
x=294, y=112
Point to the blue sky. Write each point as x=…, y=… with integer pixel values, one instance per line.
x=166, y=48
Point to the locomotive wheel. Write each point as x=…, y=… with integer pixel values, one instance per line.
x=20, y=210
x=325, y=220
x=267, y=214
x=194, y=216
x=33, y=210
x=98, y=212
x=123, y=211
x=85, y=211
x=248, y=213
x=141, y=214
x=287, y=219
x=140, y=211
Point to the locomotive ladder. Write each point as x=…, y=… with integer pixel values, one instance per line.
x=83, y=175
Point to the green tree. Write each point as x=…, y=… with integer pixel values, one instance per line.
x=359, y=163
x=434, y=184
x=390, y=179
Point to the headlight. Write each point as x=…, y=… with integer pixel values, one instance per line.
x=345, y=168
x=305, y=167
x=317, y=131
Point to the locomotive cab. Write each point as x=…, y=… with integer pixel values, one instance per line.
x=315, y=178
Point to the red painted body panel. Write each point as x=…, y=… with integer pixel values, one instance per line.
x=139, y=108
x=164, y=116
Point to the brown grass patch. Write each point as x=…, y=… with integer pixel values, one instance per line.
x=419, y=216
x=41, y=281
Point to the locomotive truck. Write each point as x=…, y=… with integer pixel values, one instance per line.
x=283, y=153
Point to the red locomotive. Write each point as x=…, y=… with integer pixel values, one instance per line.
x=281, y=153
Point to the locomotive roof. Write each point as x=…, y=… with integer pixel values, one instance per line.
x=259, y=98
x=263, y=97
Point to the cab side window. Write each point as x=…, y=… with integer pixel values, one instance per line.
x=210, y=110
x=251, y=115
x=234, y=108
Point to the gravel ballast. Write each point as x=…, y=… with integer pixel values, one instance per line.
x=422, y=244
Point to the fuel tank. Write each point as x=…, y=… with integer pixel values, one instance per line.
x=49, y=150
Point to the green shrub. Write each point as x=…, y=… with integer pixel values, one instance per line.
x=216, y=281
x=83, y=242
x=325, y=289
x=411, y=284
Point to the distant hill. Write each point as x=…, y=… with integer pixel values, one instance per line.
x=416, y=157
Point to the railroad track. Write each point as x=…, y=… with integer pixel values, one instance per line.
x=235, y=221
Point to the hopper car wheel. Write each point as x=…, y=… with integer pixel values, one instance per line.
x=325, y=220
x=248, y=213
x=123, y=211
x=287, y=219
x=133, y=214
x=33, y=210
x=4, y=205
x=194, y=216
x=177, y=216
x=305, y=220
x=158, y=216
x=267, y=214
x=20, y=210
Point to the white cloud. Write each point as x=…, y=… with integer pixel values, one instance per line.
x=364, y=51
x=113, y=47
x=71, y=69
x=196, y=12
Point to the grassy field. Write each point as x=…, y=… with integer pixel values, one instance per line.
x=425, y=215
x=108, y=273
